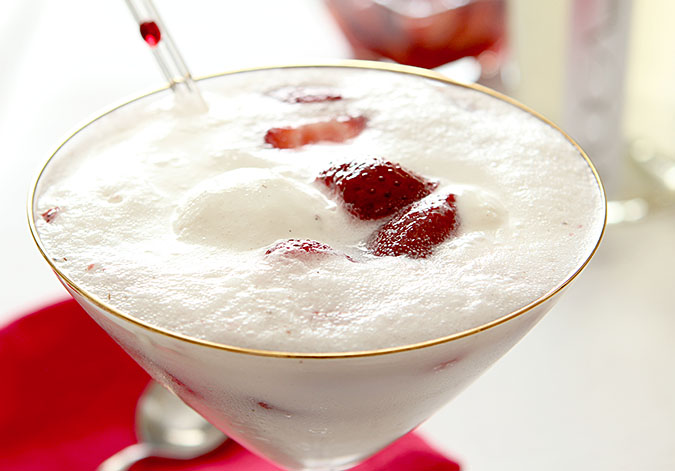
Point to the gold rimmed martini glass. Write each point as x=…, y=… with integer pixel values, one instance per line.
x=313, y=411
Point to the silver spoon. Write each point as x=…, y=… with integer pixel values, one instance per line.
x=166, y=428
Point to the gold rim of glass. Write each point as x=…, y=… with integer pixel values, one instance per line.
x=354, y=64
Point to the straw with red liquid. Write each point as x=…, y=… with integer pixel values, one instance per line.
x=156, y=35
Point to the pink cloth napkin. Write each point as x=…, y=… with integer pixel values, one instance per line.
x=69, y=394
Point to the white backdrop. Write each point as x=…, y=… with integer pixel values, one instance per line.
x=591, y=388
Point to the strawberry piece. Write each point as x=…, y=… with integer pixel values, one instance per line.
x=304, y=249
x=417, y=230
x=334, y=130
x=375, y=188
x=51, y=214
x=305, y=94
x=300, y=247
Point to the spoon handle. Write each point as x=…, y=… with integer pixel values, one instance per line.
x=125, y=458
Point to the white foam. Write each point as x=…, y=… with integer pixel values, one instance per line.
x=175, y=213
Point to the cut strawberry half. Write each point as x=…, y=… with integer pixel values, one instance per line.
x=305, y=94
x=375, y=188
x=334, y=130
x=416, y=231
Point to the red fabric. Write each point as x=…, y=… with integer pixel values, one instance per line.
x=69, y=394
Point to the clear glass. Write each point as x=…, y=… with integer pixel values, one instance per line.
x=306, y=411
x=425, y=33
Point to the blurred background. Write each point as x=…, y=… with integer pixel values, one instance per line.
x=592, y=387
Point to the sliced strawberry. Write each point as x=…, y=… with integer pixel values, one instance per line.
x=417, y=230
x=335, y=130
x=51, y=214
x=375, y=188
x=305, y=94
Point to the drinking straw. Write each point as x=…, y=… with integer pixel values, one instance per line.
x=156, y=35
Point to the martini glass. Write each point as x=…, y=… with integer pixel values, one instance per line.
x=313, y=411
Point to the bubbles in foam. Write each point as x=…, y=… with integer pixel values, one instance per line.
x=186, y=206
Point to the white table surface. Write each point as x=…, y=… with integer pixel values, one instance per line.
x=592, y=387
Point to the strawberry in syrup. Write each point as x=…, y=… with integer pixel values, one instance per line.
x=375, y=188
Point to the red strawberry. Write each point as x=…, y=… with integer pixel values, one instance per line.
x=375, y=188
x=304, y=249
x=416, y=231
x=305, y=94
x=51, y=214
x=335, y=130
x=300, y=247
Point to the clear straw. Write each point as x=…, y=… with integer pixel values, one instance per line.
x=157, y=36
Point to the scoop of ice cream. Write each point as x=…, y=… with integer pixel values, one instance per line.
x=480, y=210
x=250, y=208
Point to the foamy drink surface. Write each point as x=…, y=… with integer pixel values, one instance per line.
x=172, y=217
